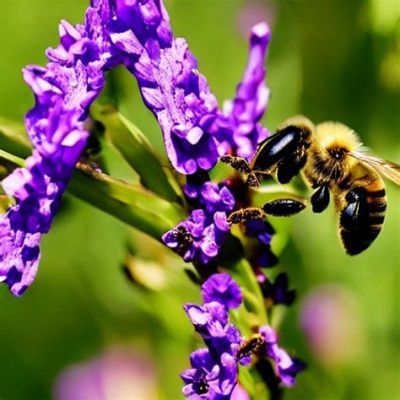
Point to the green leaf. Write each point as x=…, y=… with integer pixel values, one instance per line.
x=13, y=138
x=132, y=204
x=138, y=152
x=5, y=203
x=11, y=158
x=246, y=380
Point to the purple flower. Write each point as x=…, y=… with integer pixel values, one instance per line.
x=209, y=378
x=278, y=291
x=286, y=367
x=63, y=91
x=200, y=236
x=179, y=96
x=214, y=370
x=237, y=128
x=169, y=82
x=223, y=289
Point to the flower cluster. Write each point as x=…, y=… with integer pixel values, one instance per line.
x=286, y=367
x=214, y=370
x=195, y=131
x=63, y=90
x=237, y=131
x=237, y=127
x=169, y=82
x=138, y=34
x=199, y=237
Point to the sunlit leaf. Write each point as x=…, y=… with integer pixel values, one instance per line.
x=13, y=138
x=138, y=152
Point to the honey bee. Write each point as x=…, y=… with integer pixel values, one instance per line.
x=334, y=162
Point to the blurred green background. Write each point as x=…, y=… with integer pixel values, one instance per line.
x=330, y=60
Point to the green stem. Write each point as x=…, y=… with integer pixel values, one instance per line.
x=131, y=204
x=12, y=159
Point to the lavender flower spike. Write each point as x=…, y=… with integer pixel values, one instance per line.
x=237, y=128
x=214, y=370
x=63, y=91
x=169, y=82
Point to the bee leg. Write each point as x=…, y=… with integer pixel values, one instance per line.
x=320, y=199
x=240, y=164
x=355, y=230
x=290, y=166
x=253, y=179
x=283, y=207
x=246, y=214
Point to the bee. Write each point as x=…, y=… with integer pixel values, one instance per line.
x=250, y=346
x=334, y=162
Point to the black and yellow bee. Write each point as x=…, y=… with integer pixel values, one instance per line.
x=333, y=161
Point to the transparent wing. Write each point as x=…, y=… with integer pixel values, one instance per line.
x=386, y=168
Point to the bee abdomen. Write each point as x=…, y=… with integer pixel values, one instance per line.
x=361, y=220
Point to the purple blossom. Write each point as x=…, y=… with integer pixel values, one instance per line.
x=200, y=236
x=169, y=82
x=286, y=367
x=237, y=128
x=195, y=131
x=214, y=370
x=179, y=96
x=223, y=289
x=209, y=378
x=63, y=92
x=278, y=291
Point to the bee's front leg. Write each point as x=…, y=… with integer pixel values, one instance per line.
x=241, y=165
x=246, y=214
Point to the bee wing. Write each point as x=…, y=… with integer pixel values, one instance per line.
x=386, y=168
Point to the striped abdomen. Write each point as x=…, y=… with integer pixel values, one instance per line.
x=362, y=217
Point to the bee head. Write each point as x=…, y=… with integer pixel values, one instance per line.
x=333, y=142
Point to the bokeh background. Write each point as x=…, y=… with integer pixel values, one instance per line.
x=83, y=329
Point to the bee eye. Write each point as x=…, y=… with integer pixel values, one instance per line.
x=337, y=154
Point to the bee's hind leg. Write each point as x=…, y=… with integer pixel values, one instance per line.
x=283, y=207
x=277, y=208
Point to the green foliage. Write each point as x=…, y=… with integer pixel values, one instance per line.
x=138, y=152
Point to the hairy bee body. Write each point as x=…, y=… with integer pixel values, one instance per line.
x=330, y=163
x=331, y=158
